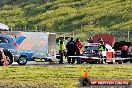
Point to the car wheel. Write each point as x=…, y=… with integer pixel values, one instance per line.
x=9, y=59
x=22, y=60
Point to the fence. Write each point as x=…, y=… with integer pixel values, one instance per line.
x=121, y=35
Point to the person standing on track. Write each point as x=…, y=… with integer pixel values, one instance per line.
x=78, y=50
x=90, y=40
x=61, y=46
x=71, y=49
x=124, y=51
x=101, y=48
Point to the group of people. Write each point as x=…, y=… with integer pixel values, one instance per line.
x=73, y=49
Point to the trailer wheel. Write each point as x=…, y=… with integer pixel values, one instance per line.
x=22, y=60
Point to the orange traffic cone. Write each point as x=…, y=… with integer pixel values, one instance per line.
x=84, y=73
x=3, y=56
x=4, y=60
x=85, y=79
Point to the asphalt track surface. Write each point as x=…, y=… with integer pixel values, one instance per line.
x=34, y=63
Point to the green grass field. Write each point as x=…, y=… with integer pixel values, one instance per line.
x=65, y=76
x=84, y=18
x=67, y=15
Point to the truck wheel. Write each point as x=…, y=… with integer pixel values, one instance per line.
x=22, y=60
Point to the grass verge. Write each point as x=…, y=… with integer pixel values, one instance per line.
x=63, y=76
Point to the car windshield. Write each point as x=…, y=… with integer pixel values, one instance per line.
x=3, y=40
x=91, y=48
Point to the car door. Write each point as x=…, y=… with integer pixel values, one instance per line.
x=5, y=43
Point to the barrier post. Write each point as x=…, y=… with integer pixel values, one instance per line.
x=3, y=56
x=128, y=36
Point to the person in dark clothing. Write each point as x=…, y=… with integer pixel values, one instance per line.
x=124, y=51
x=100, y=40
x=90, y=40
x=71, y=49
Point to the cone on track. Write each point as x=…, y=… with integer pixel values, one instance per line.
x=84, y=72
x=4, y=60
x=3, y=56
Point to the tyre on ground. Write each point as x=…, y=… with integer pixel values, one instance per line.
x=22, y=60
x=9, y=59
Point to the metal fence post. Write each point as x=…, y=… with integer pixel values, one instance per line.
x=25, y=28
x=128, y=36
x=11, y=28
x=109, y=32
x=73, y=35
